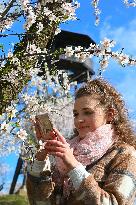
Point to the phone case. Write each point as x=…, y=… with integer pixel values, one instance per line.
x=44, y=123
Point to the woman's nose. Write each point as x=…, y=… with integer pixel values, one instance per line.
x=80, y=120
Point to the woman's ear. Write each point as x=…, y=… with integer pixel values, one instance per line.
x=110, y=115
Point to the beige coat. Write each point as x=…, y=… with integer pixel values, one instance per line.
x=112, y=182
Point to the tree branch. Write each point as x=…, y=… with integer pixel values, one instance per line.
x=7, y=9
x=41, y=40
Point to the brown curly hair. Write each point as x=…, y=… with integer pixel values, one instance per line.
x=110, y=98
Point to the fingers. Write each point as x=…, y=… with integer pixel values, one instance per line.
x=55, y=143
x=53, y=135
x=56, y=151
x=59, y=136
x=57, y=154
x=56, y=148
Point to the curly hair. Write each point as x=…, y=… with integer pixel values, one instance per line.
x=110, y=98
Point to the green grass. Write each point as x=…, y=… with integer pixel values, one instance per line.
x=13, y=200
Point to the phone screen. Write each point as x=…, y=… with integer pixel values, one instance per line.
x=44, y=123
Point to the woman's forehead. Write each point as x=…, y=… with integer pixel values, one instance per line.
x=86, y=101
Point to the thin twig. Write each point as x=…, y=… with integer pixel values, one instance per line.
x=7, y=9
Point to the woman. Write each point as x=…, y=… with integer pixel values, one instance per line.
x=97, y=166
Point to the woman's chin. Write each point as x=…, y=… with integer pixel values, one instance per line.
x=83, y=135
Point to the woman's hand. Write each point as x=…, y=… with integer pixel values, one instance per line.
x=60, y=148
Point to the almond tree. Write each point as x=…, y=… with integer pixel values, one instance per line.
x=19, y=70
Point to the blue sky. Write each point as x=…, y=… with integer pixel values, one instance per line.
x=117, y=23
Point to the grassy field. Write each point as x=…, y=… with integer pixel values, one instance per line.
x=13, y=200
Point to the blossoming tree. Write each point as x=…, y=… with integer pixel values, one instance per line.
x=24, y=93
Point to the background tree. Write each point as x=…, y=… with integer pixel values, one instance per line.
x=24, y=93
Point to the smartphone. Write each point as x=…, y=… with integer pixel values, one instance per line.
x=44, y=123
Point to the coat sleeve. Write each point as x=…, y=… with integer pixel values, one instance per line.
x=119, y=187
x=39, y=182
x=39, y=191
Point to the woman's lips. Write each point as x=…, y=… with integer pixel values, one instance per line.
x=83, y=127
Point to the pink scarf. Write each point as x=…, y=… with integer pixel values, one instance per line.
x=89, y=149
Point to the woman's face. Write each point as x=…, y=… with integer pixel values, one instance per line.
x=88, y=115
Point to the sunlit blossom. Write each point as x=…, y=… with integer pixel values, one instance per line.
x=5, y=126
x=58, y=30
x=69, y=51
x=107, y=43
x=49, y=95
x=123, y=59
x=104, y=63
x=11, y=112
x=6, y=24
x=22, y=134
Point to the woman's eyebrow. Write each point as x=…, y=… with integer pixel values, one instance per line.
x=87, y=108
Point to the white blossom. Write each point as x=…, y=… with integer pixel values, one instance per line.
x=5, y=126
x=69, y=51
x=15, y=61
x=41, y=144
x=11, y=111
x=22, y=134
x=32, y=48
x=104, y=63
x=49, y=96
x=10, y=54
x=58, y=30
x=107, y=43
x=40, y=27
x=47, y=12
x=123, y=59
x=6, y=24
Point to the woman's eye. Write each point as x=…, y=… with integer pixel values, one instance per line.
x=75, y=114
x=88, y=113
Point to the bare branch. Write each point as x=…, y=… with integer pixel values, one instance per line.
x=7, y=9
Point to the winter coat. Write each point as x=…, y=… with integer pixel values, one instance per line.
x=112, y=181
